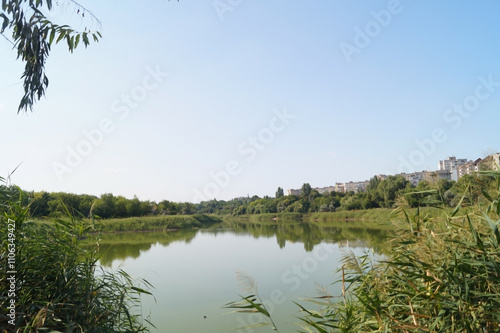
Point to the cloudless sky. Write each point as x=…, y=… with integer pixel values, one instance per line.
x=259, y=94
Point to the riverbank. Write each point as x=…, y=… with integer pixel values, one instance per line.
x=155, y=223
x=148, y=223
x=378, y=218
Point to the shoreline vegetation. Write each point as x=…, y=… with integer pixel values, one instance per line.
x=369, y=218
x=442, y=265
x=379, y=194
x=441, y=274
x=53, y=284
x=376, y=218
x=370, y=208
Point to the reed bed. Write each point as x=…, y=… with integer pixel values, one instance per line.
x=58, y=286
x=442, y=275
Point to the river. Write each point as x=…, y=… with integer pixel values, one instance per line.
x=196, y=272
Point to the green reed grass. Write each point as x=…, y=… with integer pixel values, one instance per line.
x=59, y=287
x=152, y=223
x=442, y=274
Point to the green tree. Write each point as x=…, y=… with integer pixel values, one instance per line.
x=373, y=184
x=105, y=207
x=121, y=206
x=40, y=206
x=134, y=207
x=306, y=190
x=32, y=34
x=390, y=188
x=170, y=208
x=279, y=193
x=187, y=208
x=352, y=202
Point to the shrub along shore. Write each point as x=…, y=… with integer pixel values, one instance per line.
x=371, y=218
x=379, y=218
x=440, y=274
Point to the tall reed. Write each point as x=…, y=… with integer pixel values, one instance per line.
x=442, y=275
x=58, y=285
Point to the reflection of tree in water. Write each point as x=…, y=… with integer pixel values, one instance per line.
x=110, y=252
x=360, y=237
x=311, y=234
x=132, y=244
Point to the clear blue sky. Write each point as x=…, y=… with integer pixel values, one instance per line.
x=259, y=94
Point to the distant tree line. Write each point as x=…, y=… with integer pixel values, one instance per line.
x=379, y=194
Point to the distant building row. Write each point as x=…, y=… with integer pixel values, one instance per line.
x=461, y=167
x=339, y=187
x=449, y=169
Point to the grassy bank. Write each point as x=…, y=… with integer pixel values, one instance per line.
x=152, y=223
x=266, y=217
x=369, y=218
x=374, y=215
x=378, y=215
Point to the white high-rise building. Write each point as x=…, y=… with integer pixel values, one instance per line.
x=451, y=163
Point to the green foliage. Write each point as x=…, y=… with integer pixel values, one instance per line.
x=379, y=194
x=306, y=190
x=33, y=34
x=251, y=303
x=441, y=274
x=59, y=287
x=159, y=222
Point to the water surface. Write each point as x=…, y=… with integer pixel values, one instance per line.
x=196, y=272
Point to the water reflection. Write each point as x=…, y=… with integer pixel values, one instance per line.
x=130, y=245
x=193, y=270
x=311, y=234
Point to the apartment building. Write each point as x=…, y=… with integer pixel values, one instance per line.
x=340, y=187
x=322, y=190
x=449, y=169
x=491, y=162
x=356, y=186
x=382, y=177
x=293, y=192
x=434, y=176
x=468, y=168
x=451, y=163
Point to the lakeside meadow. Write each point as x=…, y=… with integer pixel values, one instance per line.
x=440, y=269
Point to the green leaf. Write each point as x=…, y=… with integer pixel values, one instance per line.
x=493, y=227
x=5, y=22
x=457, y=208
x=62, y=34
x=77, y=40
x=52, y=35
